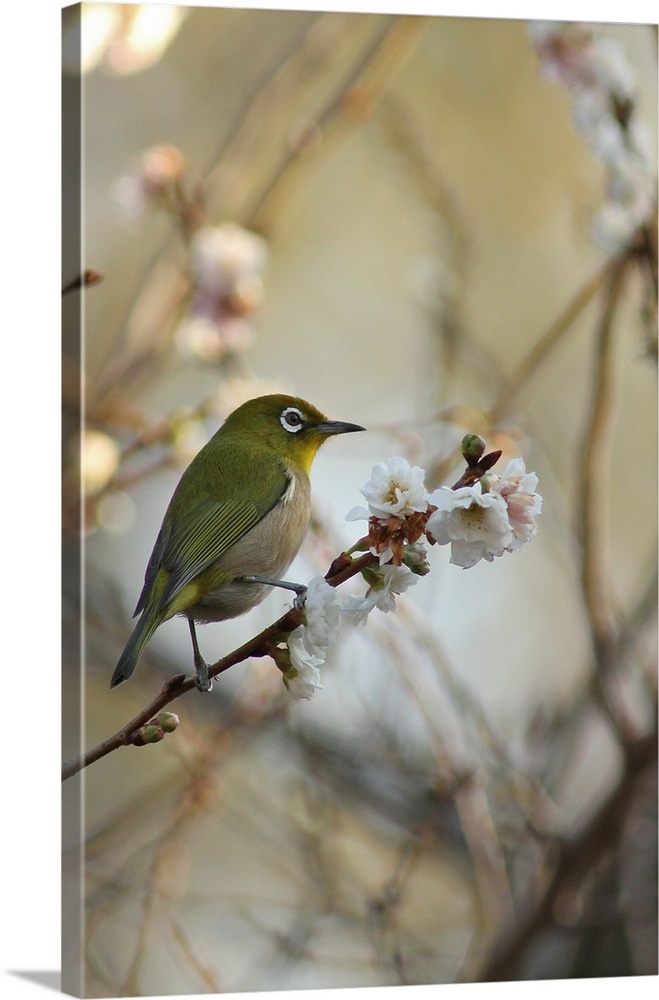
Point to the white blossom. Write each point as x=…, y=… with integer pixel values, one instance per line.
x=302, y=679
x=517, y=488
x=611, y=68
x=227, y=259
x=592, y=117
x=322, y=609
x=210, y=337
x=395, y=488
x=391, y=581
x=542, y=31
x=474, y=523
x=308, y=643
x=394, y=580
x=227, y=262
x=357, y=609
x=602, y=83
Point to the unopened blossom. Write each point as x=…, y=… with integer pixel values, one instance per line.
x=474, y=523
x=166, y=720
x=395, y=488
x=415, y=556
x=155, y=173
x=156, y=729
x=302, y=679
x=517, y=488
x=390, y=581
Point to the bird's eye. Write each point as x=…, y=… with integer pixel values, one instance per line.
x=292, y=420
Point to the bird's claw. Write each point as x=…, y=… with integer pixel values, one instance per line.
x=203, y=679
x=300, y=599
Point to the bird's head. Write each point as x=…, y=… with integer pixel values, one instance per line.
x=289, y=425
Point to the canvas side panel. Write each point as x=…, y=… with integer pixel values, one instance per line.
x=72, y=269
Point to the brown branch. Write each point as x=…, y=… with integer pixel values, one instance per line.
x=352, y=105
x=88, y=277
x=544, y=347
x=595, y=464
x=247, y=156
x=250, y=170
x=531, y=363
x=342, y=569
x=575, y=859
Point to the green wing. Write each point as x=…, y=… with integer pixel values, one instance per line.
x=200, y=538
x=189, y=543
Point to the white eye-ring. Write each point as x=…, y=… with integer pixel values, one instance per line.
x=292, y=420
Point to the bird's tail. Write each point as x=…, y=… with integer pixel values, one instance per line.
x=142, y=632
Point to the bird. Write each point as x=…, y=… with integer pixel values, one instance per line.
x=234, y=524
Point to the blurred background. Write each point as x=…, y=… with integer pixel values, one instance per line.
x=428, y=226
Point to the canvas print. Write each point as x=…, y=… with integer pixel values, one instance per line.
x=359, y=500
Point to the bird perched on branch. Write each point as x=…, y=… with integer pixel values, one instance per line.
x=234, y=524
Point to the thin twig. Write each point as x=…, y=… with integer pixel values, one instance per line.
x=352, y=104
x=573, y=860
x=543, y=348
x=595, y=465
x=88, y=277
x=530, y=365
x=178, y=685
x=234, y=183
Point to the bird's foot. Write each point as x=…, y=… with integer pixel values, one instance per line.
x=299, y=589
x=203, y=679
x=300, y=599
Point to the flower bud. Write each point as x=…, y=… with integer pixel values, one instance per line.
x=148, y=734
x=344, y=561
x=473, y=447
x=155, y=730
x=166, y=720
x=415, y=558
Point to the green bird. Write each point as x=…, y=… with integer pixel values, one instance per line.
x=234, y=524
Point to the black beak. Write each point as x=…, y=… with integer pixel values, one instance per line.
x=337, y=427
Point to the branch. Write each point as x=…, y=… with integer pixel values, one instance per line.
x=341, y=570
x=352, y=104
x=545, y=346
x=88, y=277
x=595, y=472
x=528, y=368
x=575, y=859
